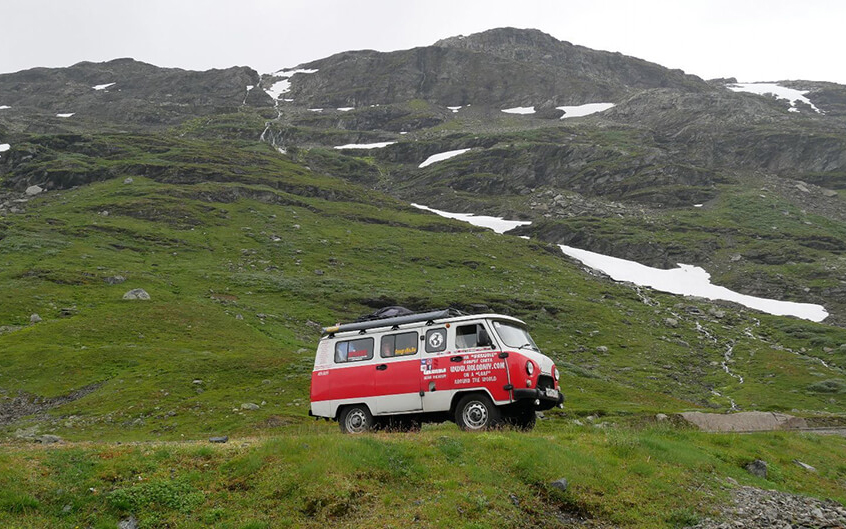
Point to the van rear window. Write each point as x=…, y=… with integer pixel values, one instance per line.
x=354, y=350
x=399, y=344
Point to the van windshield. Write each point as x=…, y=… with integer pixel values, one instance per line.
x=514, y=336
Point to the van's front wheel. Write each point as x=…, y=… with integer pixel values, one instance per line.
x=356, y=419
x=476, y=412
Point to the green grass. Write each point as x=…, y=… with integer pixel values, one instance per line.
x=312, y=476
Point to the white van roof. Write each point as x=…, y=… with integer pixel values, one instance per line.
x=413, y=320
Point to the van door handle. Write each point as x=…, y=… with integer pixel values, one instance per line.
x=381, y=367
x=456, y=359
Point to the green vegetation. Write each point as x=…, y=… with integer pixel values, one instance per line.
x=245, y=254
x=312, y=476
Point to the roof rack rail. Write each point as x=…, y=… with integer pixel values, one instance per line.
x=393, y=321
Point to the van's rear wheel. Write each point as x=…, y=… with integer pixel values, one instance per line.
x=356, y=419
x=476, y=412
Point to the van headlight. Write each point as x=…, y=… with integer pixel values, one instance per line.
x=555, y=374
x=530, y=367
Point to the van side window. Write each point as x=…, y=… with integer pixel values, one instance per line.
x=470, y=336
x=354, y=350
x=435, y=340
x=399, y=344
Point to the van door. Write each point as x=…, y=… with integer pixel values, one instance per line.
x=476, y=362
x=467, y=359
x=397, y=374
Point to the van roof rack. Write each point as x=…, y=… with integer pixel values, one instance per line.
x=393, y=321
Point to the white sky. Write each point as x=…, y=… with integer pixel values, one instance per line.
x=753, y=40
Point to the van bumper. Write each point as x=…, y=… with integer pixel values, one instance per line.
x=547, y=400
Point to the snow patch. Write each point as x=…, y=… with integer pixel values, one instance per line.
x=777, y=91
x=4, y=107
x=69, y=114
x=345, y=109
x=454, y=109
x=315, y=110
x=698, y=205
x=688, y=280
x=278, y=88
x=4, y=147
x=250, y=87
x=584, y=110
x=519, y=110
x=102, y=86
x=378, y=145
x=291, y=71
x=441, y=156
x=497, y=224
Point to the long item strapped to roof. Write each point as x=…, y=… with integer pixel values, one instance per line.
x=390, y=322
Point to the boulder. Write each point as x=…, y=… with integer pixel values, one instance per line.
x=127, y=180
x=35, y=318
x=114, y=280
x=249, y=406
x=34, y=190
x=48, y=439
x=560, y=484
x=747, y=421
x=137, y=293
x=757, y=468
x=221, y=439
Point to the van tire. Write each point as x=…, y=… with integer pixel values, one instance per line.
x=355, y=419
x=476, y=412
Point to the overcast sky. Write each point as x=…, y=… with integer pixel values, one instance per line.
x=753, y=40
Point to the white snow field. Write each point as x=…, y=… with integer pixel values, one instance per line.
x=454, y=109
x=441, y=156
x=519, y=110
x=495, y=223
x=4, y=107
x=686, y=280
x=102, y=86
x=377, y=145
x=780, y=92
x=4, y=147
x=67, y=115
x=280, y=87
x=584, y=110
x=345, y=109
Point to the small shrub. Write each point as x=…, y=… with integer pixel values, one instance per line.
x=683, y=517
x=15, y=503
x=834, y=385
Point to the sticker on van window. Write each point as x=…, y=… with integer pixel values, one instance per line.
x=435, y=340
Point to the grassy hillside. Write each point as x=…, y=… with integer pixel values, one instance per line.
x=312, y=476
x=245, y=255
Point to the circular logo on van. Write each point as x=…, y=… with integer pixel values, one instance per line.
x=436, y=339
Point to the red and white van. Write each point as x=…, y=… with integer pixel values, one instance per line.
x=477, y=370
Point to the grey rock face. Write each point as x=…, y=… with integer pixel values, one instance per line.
x=137, y=293
x=128, y=523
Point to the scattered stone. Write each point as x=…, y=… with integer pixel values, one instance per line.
x=114, y=280
x=757, y=468
x=266, y=381
x=128, y=523
x=747, y=421
x=717, y=313
x=34, y=190
x=35, y=318
x=830, y=193
x=197, y=381
x=104, y=213
x=137, y=293
x=802, y=188
x=67, y=312
x=560, y=484
x=661, y=417
x=127, y=180
x=806, y=466
x=319, y=272
x=735, y=257
x=221, y=439
x=48, y=439
x=66, y=509
x=602, y=349
x=249, y=406
x=239, y=317
x=671, y=322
